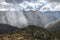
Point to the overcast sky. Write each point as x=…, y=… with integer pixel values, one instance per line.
x=54, y=1
x=41, y=5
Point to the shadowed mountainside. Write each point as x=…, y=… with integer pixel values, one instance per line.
x=5, y=28
x=30, y=33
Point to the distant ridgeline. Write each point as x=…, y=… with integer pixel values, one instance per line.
x=6, y=28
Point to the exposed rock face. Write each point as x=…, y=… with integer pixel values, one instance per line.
x=54, y=26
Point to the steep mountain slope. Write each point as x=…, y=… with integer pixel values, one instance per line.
x=53, y=13
x=5, y=28
x=25, y=18
x=54, y=26
x=38, y=18
x=13, y=18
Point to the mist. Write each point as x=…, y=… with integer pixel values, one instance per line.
x=21, y=13
x=22, y=19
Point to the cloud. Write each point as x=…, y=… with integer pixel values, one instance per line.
x=14, y=1
x=3, y=9
x=40, y=5
x=53, y=1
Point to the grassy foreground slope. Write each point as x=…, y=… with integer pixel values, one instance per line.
x=31, y=33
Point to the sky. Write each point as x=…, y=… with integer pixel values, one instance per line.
x=40, y=5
